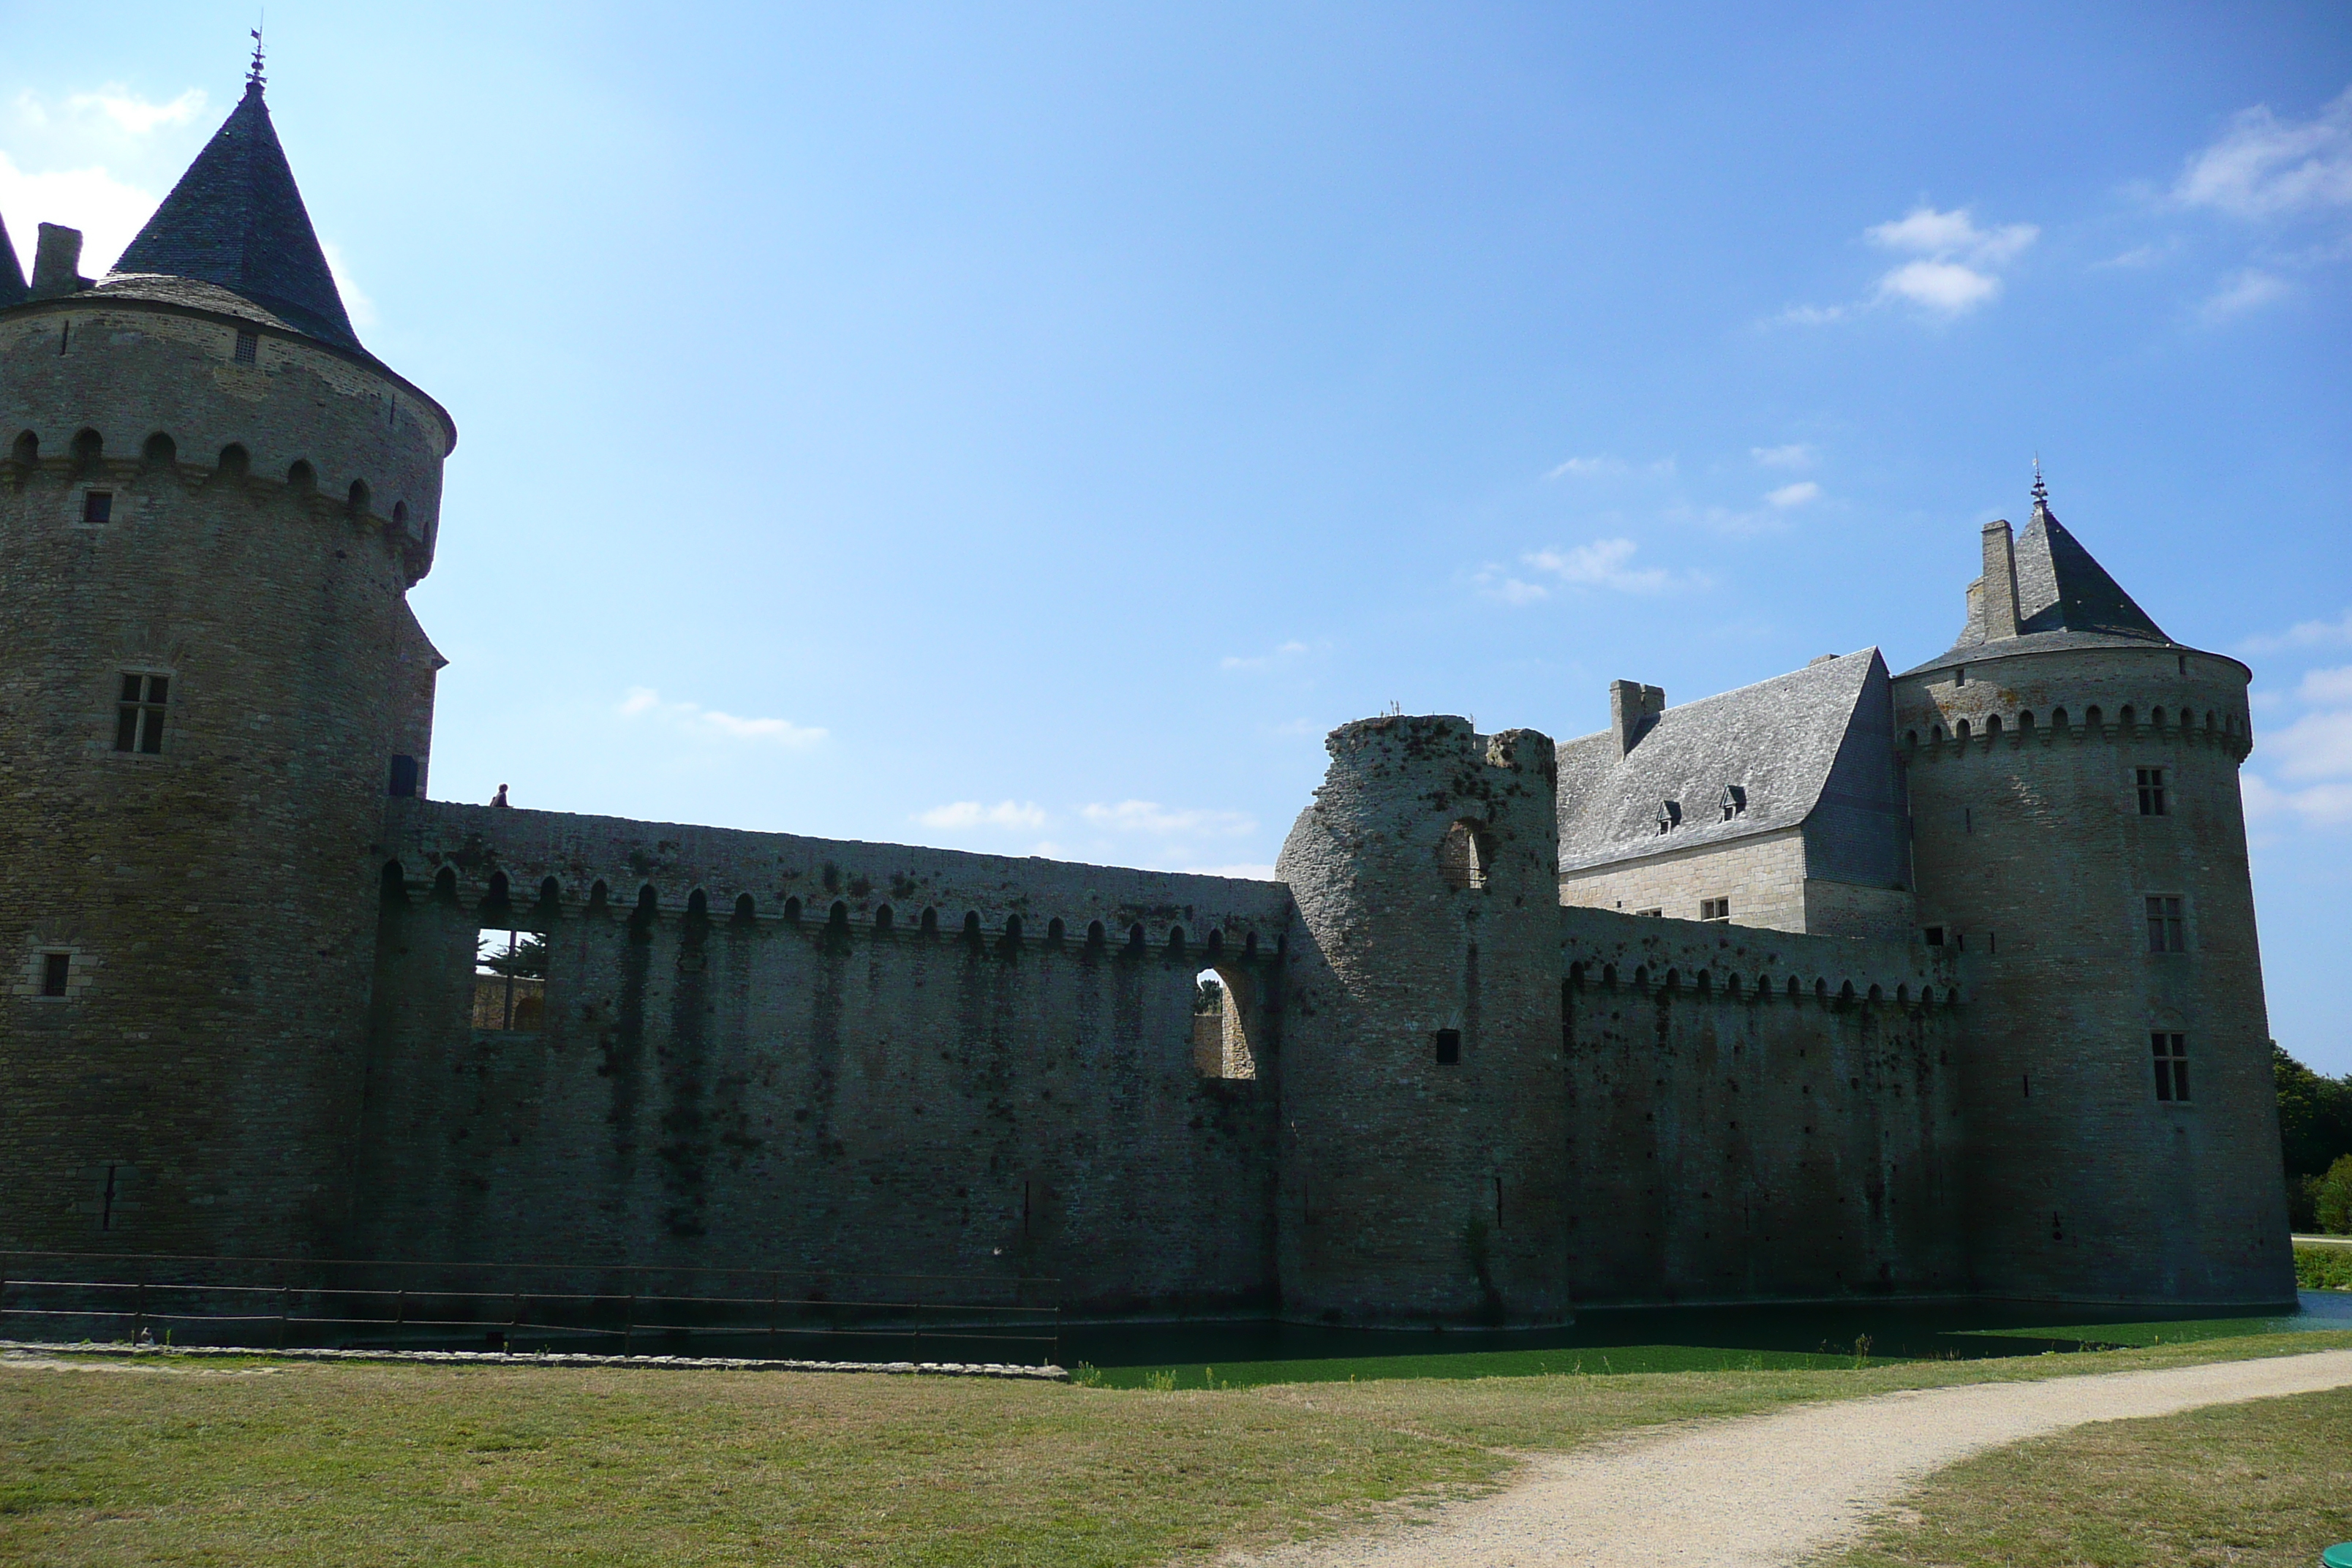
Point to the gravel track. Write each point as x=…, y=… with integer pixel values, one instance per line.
x=1774, y=1489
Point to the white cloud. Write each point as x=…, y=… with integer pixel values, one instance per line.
x=2316, y=746
x=1947, y=285
x=1812, y=315
x=2262, y=166
x=356, y=302
x=2246, y=291
x=1585, y=468
x=2305, y=634
x=643, y=703
x=2320, y=805
x=1796, y=494
x=2326, y=686
x=108, y=211
x=967, y=814
x=1796, y=455
x=1151, y=817
x=1603, y=564
x=135, y=115
x=1927, y=232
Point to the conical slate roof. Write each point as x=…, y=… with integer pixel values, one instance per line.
x=235, y=220
x=11, y=277
x=2061, y=588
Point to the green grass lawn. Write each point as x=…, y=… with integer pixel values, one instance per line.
x=194, y=1460
x=2323, y=1268
x=2262, y=1485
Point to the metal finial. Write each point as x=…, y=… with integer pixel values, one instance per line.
x=254, y=77
x=2041, y=491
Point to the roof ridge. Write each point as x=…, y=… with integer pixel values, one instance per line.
x=236, y=219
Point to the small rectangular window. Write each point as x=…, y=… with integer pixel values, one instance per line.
x=1449, y=1046
x=1714, y=908
x=139, y=713
x=2151, y=792
x=97, y=506
x=1932, y=935
x=248, y=345
x=1960, y=675
x=510, y=981
x=2166, y=930
x=1651, y=914
x=2172, y=1053
x=57, y=969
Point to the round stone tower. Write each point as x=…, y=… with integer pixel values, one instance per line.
x=1423, y=1083
x=2077, y=833
x=213, y=503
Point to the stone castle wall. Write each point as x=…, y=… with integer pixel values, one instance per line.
x=895, y=1060
x=1764, y=878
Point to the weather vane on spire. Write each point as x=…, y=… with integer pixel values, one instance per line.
x=253, y=77
x=2041, y=491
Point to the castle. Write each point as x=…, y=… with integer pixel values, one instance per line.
x=1850, y=983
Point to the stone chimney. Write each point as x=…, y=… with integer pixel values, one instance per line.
x=1632, y=709
x=56, y=264
x=1999, y=591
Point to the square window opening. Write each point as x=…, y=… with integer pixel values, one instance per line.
x=1932, y=935
x=2151, y=792
x=1448, y=1043
x=1715, y=909
x=249, y=347
x=57, y=973
x=97, y=506
x=510, y=981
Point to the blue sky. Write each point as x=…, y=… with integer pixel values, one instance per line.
x=1030, y=428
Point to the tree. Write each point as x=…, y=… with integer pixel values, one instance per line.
x=2332, y=1198
x=2315, y=1132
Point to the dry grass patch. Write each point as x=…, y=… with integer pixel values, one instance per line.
x=2262, y=1485
x=322, y=1464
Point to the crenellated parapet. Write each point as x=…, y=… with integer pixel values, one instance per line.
x=105, y=387
x=1705, y=961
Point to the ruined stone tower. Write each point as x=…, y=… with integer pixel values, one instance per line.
x=214, y=502
x=1423, y=1086
x=2077, y=832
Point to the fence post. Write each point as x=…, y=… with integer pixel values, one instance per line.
x=629, y=1328
x=139, y=1308
x=285, y=1301
x=514, y=1321
x=775, y=1294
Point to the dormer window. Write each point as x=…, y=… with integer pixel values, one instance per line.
x=1734, y=801
x=1670, y=815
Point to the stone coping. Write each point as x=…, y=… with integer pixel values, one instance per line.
x=501, y=1358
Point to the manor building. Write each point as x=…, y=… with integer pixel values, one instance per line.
x=1848, y=983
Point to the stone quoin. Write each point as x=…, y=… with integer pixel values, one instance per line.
x=1846, y=984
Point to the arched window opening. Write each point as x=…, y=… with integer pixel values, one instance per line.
x=1674, y=979
x=1875, y=993
x=972, y=929
x=1936, y=730
x=1096, y=937
x=1054, y=931
x=884, y=919
x=1009, y=943
x=1135, y=942
x=1706, y=984
x=1249, y=945
x=836, y=921
x=160, y=452
x=495, y=901
x=1641, y=977
x=358, y=497
x=1820, y=989
x=1992, y=728
x=88, y=450
x=2155, y=718
x=2058, y=720
x=26, y=451
x=600, y=898
x=791, y=912
x=926, y=925
x=394, y=883
x=1609, y=975
x=2093, y=720
x=301, y=478
x=1224, y=1023
x=1960, y=732
x=1796, y=988
x=648, y=907
x=1216, y=946
x=2025, y=723
x=235, y=461
x=745, y=911
x=2124, y=719
x=698, y=905
x=1731, y=985
x=1465, y=854
x=1175, y=941
x=2209, y=719
x=550, y=898
x=1911, y=739
x=1902, y=995
x=400, y=513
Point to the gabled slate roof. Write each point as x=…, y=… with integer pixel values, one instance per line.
x=1777, y=741
x=12, y=288
x=236, y=220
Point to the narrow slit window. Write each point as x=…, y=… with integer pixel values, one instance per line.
x=139, y=713
x=1714, y=908
x=2171, y=1063
x=57, y=971
x=2151, y=792
x=249, y=347
x=1448, y=1043
x=2168, y=931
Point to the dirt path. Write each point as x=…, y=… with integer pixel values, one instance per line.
x=1772, y=1489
